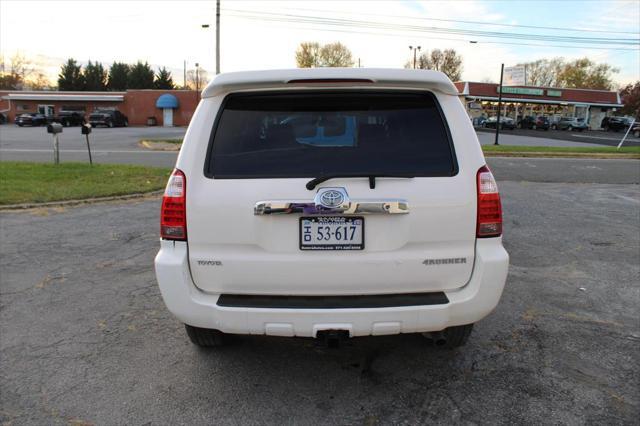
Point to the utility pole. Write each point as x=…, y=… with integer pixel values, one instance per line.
x=499, y=104
x=217, y=36
x=184, y=75
x=415, y=50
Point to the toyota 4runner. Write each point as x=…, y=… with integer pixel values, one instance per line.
x=331, y=202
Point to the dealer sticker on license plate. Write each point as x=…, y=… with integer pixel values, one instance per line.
x=331, y=233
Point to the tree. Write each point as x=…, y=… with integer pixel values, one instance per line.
x=630, y=96
x=38, y=81
x=164, y=80
x=71, y=77
x=447, y=61
x=543, y=72
x=308, y=55
x=197, y=80
x=586, y=74
x=14, y=76
x=581, y=74
x=313, y=55
x=95, y=76
x=118, y=76
x=141, y=76
x=335, y=55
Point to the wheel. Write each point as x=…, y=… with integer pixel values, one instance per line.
x=570, y=128
x=636, y=133
x=534, y=127
x=452, y=337
x=65, y=123
x=554, y=127
x=606, y=128
x=483, y=125
x=519, y=125
x=205, y=337
x=110, y=124
x=501, y=126
x=20, y=125
x=126, y=123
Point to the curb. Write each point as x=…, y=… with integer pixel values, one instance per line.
x=67, y=203
x=601, y=156
x=159, y=146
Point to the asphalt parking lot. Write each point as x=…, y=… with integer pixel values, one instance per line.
x=547, y=137
x=85, y=338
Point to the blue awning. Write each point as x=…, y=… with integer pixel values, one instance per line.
x=167, y=101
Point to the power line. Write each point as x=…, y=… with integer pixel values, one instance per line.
x=301, y=19
x=477, y=22
x=460, y=40
x=414, y=28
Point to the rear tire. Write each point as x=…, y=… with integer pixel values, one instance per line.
x=205, y=337
x=457, y=336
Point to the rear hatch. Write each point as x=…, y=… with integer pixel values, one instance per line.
x=394, y=215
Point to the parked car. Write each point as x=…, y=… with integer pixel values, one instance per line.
x=266, y=232
x=531, y=122
x=31, y=119
x=70, y=118
x=571, y=124
x=636, y=130
x=109, y=118
x=615, y=123
x=505, y=123
x=3, y=118
x=479, y=121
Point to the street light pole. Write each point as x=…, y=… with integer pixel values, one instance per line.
x=499, y=105
x=217, y=36
x=415, y=50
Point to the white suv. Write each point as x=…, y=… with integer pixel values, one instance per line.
x=331, y=203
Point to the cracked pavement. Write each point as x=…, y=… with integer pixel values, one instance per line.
x=85, y=337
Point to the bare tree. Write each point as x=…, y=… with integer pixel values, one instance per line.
x=312, y=55
x=308, y=55
x=13, y=76
x=543, y=72
x=447, y=61
x=197, y=81
x=336, y=55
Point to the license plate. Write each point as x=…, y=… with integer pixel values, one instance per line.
x=331, y=233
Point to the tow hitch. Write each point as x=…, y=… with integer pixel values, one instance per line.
x=332, y=338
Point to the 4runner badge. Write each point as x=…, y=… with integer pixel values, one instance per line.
x=447, y=261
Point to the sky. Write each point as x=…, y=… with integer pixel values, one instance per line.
x=263, y=34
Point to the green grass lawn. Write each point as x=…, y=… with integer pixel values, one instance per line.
x=22, y=182
x=557, y=149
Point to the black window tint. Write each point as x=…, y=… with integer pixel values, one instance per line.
x=311, y=134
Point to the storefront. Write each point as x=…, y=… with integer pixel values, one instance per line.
x=481, y=99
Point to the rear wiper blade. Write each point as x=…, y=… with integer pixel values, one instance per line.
x=372, y=179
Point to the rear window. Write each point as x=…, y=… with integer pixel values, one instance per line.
x=312, y=134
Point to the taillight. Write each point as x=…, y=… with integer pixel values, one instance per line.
x=489, y=206
x=173, y=216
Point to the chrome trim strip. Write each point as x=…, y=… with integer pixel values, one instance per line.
x=386, y=206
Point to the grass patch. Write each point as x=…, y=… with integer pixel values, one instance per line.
x=22, y=182
x=171, y=141
x=561, y=149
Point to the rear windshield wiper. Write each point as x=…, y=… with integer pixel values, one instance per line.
x=372, y=179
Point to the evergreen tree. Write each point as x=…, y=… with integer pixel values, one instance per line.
x=141, y=76
x=95, y=77
x=118, y=76
x=71, y=77
x=164, y=80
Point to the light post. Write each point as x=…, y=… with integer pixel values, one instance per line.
x=205, y=26
x=197, y=77
x=415, y=51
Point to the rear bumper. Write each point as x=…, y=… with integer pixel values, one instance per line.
x=466, y=305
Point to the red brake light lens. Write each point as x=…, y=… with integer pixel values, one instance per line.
x=173, y=216
x=489, y=222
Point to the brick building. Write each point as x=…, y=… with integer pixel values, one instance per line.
x=174, y=109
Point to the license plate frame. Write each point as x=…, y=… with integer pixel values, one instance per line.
x=332, y=247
